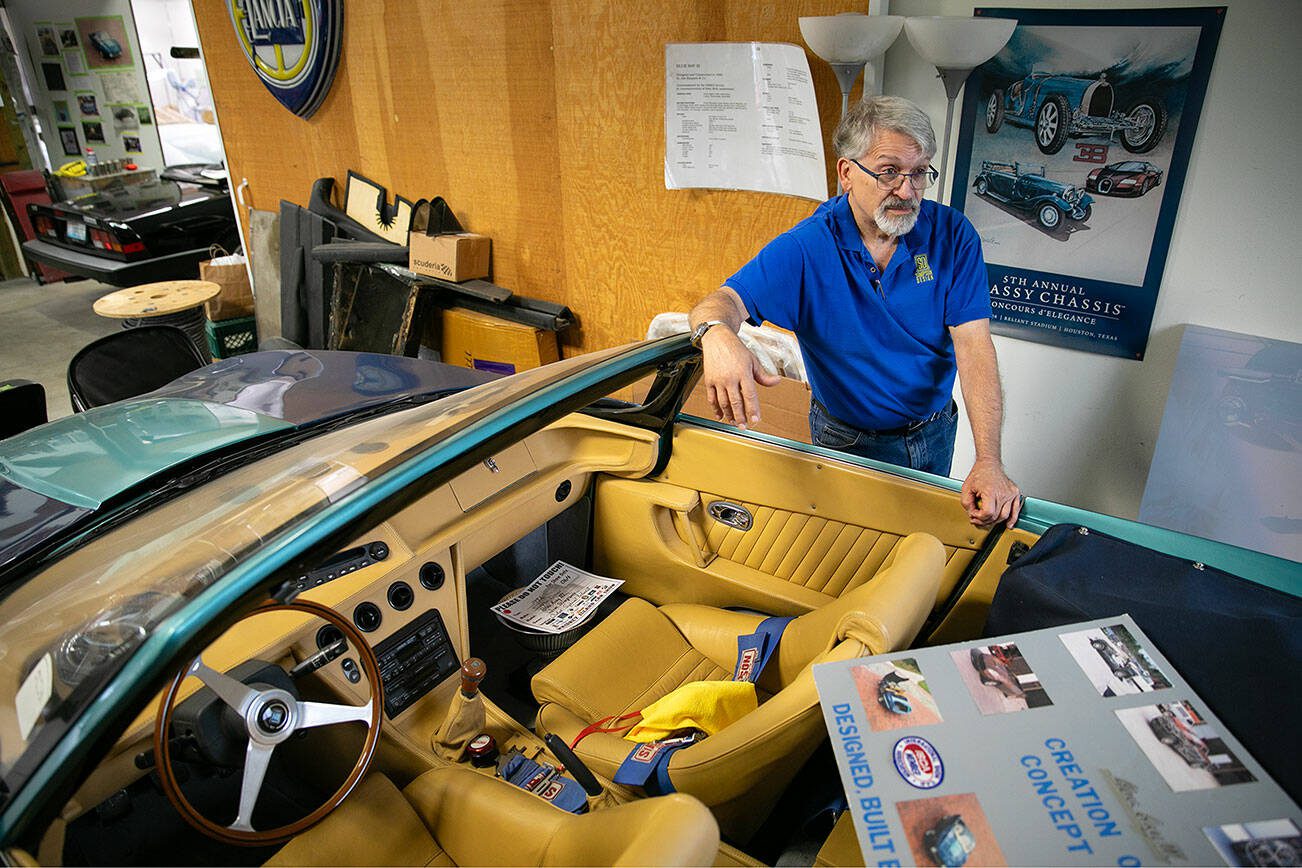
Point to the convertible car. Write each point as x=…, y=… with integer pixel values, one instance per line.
x=292, y=658
x=1057, y=107
x=1028, y=188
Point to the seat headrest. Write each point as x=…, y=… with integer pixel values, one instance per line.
x=883, y=614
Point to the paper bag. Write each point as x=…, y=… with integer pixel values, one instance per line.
x=236, y=297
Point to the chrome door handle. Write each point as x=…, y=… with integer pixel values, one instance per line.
x=732, y=514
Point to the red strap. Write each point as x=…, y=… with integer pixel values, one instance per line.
x=600, y=726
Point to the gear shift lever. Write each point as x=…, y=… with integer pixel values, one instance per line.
x=465, y=717
x=472, y=672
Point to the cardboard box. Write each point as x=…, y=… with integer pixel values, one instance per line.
x=456, y=256
x=784, y=408
x=487, y=343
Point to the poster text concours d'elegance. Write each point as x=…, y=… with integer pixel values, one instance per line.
x=1044, y=299
x=1072, y=805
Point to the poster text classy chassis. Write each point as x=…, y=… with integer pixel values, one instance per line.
x=1073, y=146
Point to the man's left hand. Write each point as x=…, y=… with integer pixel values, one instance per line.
x=989, y=496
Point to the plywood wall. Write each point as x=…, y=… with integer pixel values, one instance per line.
x=542, y=124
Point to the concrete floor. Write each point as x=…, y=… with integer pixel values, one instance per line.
x=41, y=327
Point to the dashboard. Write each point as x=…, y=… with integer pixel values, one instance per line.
x=402, y=583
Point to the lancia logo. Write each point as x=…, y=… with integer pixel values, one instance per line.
x=293, y=46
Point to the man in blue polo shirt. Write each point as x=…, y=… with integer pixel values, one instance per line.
x=887, y=295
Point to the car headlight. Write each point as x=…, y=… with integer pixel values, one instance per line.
x=1071, y=194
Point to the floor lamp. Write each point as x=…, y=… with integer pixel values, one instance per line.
x=955, y=45
x=848, y=41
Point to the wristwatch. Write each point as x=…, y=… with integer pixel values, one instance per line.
x=698, y=334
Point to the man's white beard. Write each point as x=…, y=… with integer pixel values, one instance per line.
x=892, y=224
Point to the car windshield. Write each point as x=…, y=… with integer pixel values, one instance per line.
x=65, y=631
x=1130, y=167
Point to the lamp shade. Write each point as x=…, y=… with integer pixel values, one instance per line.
x=956, y=42
x=850, y=37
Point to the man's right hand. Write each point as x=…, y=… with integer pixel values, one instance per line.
x=731, y=372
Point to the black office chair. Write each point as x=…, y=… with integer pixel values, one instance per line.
x=129, y=363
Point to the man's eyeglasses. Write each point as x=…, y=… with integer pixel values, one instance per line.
x=890, y=179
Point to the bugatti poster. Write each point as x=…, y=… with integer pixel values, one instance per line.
x=1073, y=146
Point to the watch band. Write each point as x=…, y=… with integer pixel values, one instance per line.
x=698, y=334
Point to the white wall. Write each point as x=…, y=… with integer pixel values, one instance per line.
x=1080, y=428
x=23, y=16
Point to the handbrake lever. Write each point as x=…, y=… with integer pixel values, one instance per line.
x=573, y=764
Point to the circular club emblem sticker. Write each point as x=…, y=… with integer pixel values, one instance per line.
x=918, y=762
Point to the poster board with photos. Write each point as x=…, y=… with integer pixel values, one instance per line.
x=1074, y=141
x=1077, y=745
x=88, y=80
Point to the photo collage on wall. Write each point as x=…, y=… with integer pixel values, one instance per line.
x=1041, y=748
x=1074, y=142
x=89, y=71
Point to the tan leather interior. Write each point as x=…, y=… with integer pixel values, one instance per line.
x=831, y=542
x=841, y=848
x=821, y=527
x=640, y=653
x=454, y=816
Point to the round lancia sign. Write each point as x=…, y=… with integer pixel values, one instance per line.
x=293, y=46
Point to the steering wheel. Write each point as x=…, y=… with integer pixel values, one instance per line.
x=269, y=716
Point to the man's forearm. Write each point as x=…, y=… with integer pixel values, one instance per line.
x=722, y=305
x=978, y=372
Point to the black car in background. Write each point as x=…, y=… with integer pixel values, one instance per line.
x=133, y=228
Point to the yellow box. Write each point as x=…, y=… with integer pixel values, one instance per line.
x=456, y=256
x=487, y=343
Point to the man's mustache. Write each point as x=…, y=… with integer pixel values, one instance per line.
x=895, y=202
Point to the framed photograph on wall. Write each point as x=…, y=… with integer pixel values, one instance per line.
x=1073, y=146
x=86, y=102
x=68, y=36
x=131, y=144
x=93, y=131
x=76, y=63
x=104, y=39
x=124, y=117
x=68, y=138
x=62, y=115
x=48, y=39
x=53, y=75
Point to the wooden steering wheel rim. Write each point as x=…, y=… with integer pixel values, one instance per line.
x=162, y=750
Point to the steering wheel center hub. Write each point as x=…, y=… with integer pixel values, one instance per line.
x=273, y=717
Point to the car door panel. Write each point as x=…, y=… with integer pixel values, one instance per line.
x=819, y=527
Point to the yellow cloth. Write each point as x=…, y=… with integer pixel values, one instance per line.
x=705, y=705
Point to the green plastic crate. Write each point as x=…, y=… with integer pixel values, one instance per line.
x=231, y=337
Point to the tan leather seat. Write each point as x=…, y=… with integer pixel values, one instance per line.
x=640, y=653
x=454, y=816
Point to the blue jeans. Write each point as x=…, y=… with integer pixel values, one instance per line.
x=927, y=445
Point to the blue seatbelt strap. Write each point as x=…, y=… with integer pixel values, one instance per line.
x=647, y=765
x=755, y=649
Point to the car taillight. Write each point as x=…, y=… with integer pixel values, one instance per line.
x=45, y=226
x=105, y=240
x=134, y=247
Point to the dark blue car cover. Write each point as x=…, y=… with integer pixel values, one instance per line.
x=1237, y=643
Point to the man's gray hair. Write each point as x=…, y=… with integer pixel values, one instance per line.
x=874, y=115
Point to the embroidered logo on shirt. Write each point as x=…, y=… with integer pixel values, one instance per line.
x=921, y=269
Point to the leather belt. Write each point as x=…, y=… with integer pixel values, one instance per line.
x=888, y=432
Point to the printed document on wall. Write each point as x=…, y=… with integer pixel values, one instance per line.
x=742, y=116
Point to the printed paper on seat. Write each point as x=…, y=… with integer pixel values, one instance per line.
x=563, y=597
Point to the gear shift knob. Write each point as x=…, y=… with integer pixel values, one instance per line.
x=472, y=672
